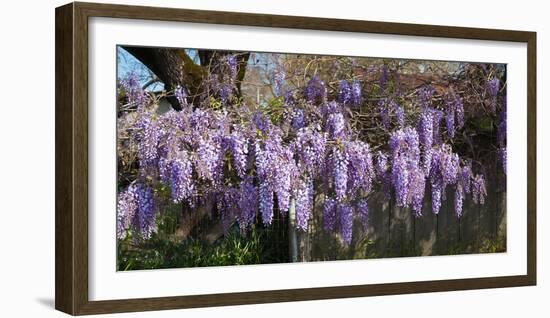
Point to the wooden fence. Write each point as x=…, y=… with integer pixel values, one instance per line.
x=394, y=231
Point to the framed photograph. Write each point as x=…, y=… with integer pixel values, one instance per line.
x=220, y=158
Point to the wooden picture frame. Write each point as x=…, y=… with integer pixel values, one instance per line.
x=71, y=122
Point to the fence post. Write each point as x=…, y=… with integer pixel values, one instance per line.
x=292, y=240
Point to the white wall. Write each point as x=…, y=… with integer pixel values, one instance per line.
x=27, y=158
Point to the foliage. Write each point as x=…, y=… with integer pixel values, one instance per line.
x=157, y=252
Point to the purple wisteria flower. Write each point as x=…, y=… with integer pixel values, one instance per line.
x=126, y=210
x=261, y=122
x=145, y=215
x=362, y=208
x=400, y=179
x=449, y=164
x=310, y=146
x=298, y=119
x=266, y=203
x=502, y=157
x=424, y=96
x=134, y=92
x=331, y=107
x=355, y=92
x=248, y=200
x=360, y=167
x=304, y=203
x=290, y=98
x=275, y=168
x=381, y=166
x=459, y=198
x=479, y=191
x=346, y=223
x=400, y=116
x=389, y=106
x=340, y=168
x=493, y=86
x=437, y=115
x=382, y=173
x=315, y=90
x=238, y=144
x=444, y=171
x=232, y=64
x=329, y=214
x=199, y=122
x=171, y=141
x=149, y=135
x=225, y=92
x=209, y=159
x=417, y=187
x=336, y=126
x=181, y=177
x=227, y=203
x=436, y=195
x=221, y=86
x=279, y=76
x=465, y=178
x=406, y=175
x=454, y=113
x=282, y=184
x=349, y=93
x=425, y=136
x=384, y=112
x=344, y=92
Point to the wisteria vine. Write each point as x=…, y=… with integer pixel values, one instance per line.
x=255, y=168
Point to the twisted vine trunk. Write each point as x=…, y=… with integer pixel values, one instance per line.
x=174, y=67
